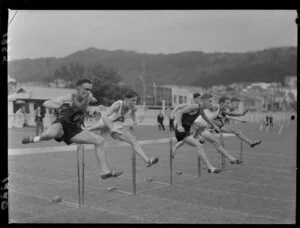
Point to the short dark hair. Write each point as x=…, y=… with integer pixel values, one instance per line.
x=206, y=96
x=195, y=95
x=130, y=94
x=223, y=99
x=82, y=81
x=233, y=99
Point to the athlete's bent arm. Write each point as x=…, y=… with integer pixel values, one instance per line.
x=178, y=107
x=187, y=109
x=96, y=126
x=133, y=115
x=236, y=114
x=51, y=104
x=114, y=108
x=56, y=103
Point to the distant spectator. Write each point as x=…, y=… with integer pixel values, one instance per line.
x=271, y=120
x=25, y=124
x=160, y=121
x=267, y=120
x=39, y=116
x=171, y=120
x=20, y=113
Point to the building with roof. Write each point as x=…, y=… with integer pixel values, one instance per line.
x=28, y=97
x=183, y=94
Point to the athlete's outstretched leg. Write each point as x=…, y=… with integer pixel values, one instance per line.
x=54, y=131
x=240, y=135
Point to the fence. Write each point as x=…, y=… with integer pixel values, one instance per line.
x=143, y=118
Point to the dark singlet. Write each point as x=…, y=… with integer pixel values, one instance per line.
x=221, y=117
x=71, y=113
x=188, y=119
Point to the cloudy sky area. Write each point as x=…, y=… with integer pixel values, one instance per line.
x=43, y=33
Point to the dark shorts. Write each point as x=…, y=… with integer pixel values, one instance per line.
x=182, y=135
x=71, y=127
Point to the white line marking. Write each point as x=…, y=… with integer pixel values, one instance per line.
x=45, y=215
x=13, y=220
x=109, y=144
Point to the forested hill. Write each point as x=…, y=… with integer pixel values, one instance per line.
x=186, y=68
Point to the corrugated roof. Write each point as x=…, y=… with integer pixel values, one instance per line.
x=39, y=93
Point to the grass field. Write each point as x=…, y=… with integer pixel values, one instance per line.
x=262, y=190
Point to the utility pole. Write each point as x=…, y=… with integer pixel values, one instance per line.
x=143, y=78
x=155, y=95
x=47, y=71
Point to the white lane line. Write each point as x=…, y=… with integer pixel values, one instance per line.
x=39, y=150
x=45, y=215
x=12, y=220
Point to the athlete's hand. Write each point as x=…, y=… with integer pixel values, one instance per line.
x=180, y=129
x=91, y=98
x=217, y=129
x=115, y=130
x=83, y=127
x=133, y=126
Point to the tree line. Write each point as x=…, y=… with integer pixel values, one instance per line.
x=186, y=68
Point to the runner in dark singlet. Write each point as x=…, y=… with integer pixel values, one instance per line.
x=201, y=127
x=67, y=126
x=224, y=112
x=184, y=120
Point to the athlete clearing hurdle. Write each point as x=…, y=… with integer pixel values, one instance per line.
x=224, y=112
x=179, y=107
x=68, y=125
x=184, y=120
x=200, y=128
x=112, y=121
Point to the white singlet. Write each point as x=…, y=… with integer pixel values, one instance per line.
x=210, y=114
x=116, y=117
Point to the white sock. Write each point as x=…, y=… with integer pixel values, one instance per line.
x=36, y=139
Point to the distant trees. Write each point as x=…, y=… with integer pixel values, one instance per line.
x=186, y=68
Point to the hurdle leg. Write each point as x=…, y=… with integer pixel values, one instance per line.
x=280, y=130
x=223, y=157
x=133, y=173
x=82, y=150
x=171, y=163
x=78, y=177
x=199, y=166
x=241, y=151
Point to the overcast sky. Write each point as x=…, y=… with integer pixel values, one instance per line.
x=45, y=33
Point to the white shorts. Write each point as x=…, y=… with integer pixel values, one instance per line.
x=118, y=125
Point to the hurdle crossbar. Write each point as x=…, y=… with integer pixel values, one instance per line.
x=171, y=162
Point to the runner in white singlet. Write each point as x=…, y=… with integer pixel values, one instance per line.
x=112, y=121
